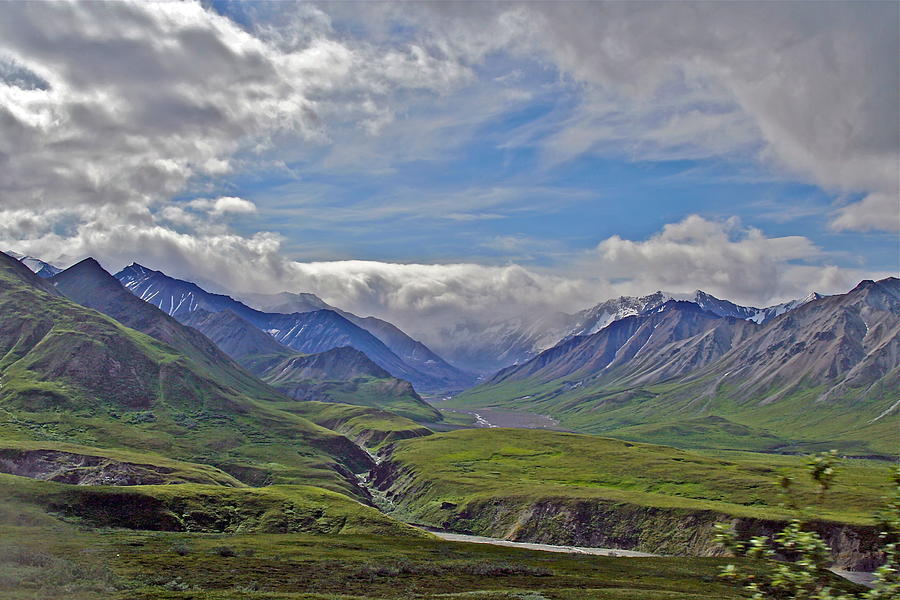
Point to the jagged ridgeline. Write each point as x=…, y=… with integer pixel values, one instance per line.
x=825, y=374
x=72, y=374
x=341, y=374
x=311, y=326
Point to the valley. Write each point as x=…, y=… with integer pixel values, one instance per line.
x=449, y=300
x=569, y=489
x=190, y=436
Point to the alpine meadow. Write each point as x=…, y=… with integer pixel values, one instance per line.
x=420, y=300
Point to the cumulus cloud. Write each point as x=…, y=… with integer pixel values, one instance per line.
x=876, y=211
x=223, y=205
x=808, y=89
x=143, y=98
x=724, y=258
x=114, y=116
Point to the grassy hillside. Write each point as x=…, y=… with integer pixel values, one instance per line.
x=204, y=508
x=541, y=464
x=648, y=413
x=368, y=427
x=42, y=556
x=388, y=394
x=553, y=487
x=71, y=374
x=703, y=432
x=84, y=465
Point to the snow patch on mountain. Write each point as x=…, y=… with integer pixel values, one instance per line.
x=39, y=267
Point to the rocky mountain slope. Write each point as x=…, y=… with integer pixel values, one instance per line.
x=412, y=352
x=674, y=339
x=38, y=266
x=341, y=374
x=826, y=370
x=487, y=349
x=324, y=376
x=88, y=284
x=69, y=373
x=308, y=332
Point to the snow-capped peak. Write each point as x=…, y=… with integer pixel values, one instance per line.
x=37, y=266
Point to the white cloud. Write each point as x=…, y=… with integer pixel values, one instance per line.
x=808, y=89
x=108, y=111
x=223, y=205
x=724, y=258
x=143, y=98
x=876, y=211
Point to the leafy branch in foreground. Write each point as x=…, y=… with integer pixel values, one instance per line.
x=805, y=576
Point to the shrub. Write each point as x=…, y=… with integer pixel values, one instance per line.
x=224, y=551
x=505, y=569
x=177, y=585
x=253, y=586
x=807, y=578
x=181, y=549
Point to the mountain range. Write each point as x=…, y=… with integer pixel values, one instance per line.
x=487, y=349
x=39, y=267
x=222, y=341
x=822, y=368
x=827, y=368
x=311, y=327
x=73, y=374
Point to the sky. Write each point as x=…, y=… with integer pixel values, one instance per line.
x=433, y=163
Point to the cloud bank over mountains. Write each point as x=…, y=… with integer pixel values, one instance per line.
x=123, y=127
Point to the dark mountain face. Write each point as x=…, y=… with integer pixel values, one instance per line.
x=308, y=332
x=176, y=297
x=339, y=364
x=235, y=336
x=347, y=375
x=112, y=385
x=90, y=286
x=838, y=343
x=341, y=374
x=412, y=352
x=676, y=338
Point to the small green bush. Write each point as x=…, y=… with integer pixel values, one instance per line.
x=181, y=549
x=224, y=551
x=806, y=576
x=177, y=585
x=505, y=569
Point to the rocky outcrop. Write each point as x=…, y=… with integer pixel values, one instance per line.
x=605, y=523
x=81, y=469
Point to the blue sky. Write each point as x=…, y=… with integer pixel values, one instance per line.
x=515, y=204
x=490, y=198
x=437, y=162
